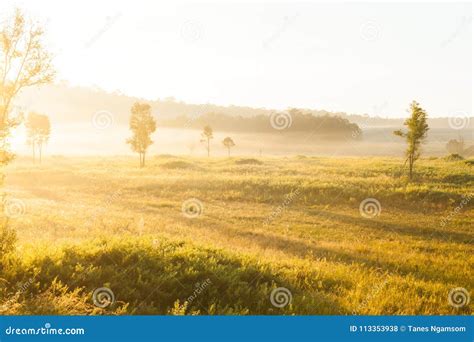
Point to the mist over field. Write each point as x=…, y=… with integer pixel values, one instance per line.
x=93, y=122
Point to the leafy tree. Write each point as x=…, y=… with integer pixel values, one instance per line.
x=229, y=143
x=24, y=62
x=142, y=125
x=38, y=130
x=456, y=146
x=206, y=136
x=416, y=134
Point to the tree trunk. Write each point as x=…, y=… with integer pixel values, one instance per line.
x=34, y=152
x=40, y=147
x=208, y=147
x=411, y=167
x=228, y=152
x=143, y=164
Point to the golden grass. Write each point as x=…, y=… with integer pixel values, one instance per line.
x=276, y=222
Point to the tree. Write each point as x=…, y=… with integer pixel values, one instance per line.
x=416, y=134
x=23, y=63
x=206, y=138
x=38, y=130
x=456, y=146
x=142, y=124
x=229, y=143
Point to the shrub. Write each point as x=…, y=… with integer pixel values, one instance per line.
x=248, y=161
x=454, y=157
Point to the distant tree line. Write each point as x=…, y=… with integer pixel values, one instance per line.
x=326, y=126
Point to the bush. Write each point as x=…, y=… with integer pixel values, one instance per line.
x=7, y=240
x=454, y=157
x=184, y=278
x=178, y=164
x=248, y=161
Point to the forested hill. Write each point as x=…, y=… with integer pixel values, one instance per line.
x=293, y=120
x=63, y=103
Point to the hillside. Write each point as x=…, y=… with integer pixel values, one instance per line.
x=66, y=104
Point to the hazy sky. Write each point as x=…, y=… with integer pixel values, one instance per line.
x=359, y=58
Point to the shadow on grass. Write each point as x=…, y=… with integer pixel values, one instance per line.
x=423, y=233
x=157, y=277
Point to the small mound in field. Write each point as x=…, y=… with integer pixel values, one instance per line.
x=469, y=162
x=177, y=164
x=454, y=157
x=165, y=156
x=248, y=161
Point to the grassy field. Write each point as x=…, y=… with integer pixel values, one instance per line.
x=292, y=223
